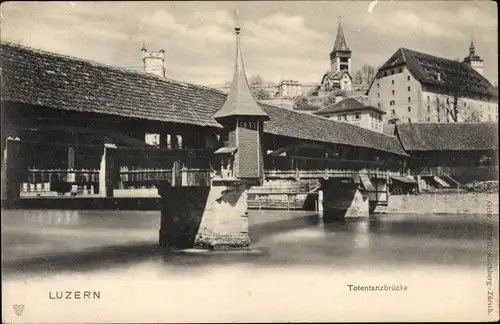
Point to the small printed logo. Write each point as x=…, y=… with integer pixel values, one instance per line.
x=18, y=309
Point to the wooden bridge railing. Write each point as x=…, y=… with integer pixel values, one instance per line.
x=314, y=167
x=57, y=167
x=143, y=167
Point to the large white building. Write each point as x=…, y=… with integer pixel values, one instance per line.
x=418, y=87
x=355, y=110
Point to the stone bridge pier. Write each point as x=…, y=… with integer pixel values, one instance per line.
x=209, y=217
x=344, y=198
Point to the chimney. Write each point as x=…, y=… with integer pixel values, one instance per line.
x=154, y=62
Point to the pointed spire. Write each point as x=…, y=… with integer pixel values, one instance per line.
x=340, y=42
x=472, y=48
x=240, y=101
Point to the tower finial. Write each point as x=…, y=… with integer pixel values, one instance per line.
x=237, y=27
x=143, y=45
x=472, y=47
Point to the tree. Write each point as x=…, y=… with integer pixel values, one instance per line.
x=454, y=81
x=365, y=74
x=300, y=102
x=256, y=84
x=332, y=98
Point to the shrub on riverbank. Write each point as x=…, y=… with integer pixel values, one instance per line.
x=483, y=187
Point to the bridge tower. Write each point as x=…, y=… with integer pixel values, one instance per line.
x=216, y=217
x=243, y=122
x=225, y=221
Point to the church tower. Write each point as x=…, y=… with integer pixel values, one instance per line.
x=475, y=61
x=340, y=57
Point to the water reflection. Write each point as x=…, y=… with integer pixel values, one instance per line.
x=98, y=240
x=52, y=217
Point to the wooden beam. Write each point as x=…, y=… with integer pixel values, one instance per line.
x=302, y=144
x=88, y=130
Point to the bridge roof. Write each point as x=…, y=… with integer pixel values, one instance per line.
x=448, y=136
x=46, y=79
x=285, y=122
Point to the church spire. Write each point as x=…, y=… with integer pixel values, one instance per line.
x=240, y=101
x=472, y=48
x=340, y=42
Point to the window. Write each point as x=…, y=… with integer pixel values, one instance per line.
x=400, y=70
x=393, y=112
x=357, y=116
x=378, y=105
x=393, y=92
x=409, y=120
x=339, y=117
x=409, y=99
x=428, y=99
x=392, y=103
x=428, y=108
x=408, y=78
x=409, y=108
x=378, y=95
x=392, y=72
x=392, y=82
x=378, y=85
x=428, y=118
x=409, y=88
x=385, y=73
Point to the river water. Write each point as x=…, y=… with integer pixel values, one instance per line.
x=298, y=269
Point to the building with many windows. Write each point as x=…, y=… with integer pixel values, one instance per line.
x=418, y=87
x=356, y=111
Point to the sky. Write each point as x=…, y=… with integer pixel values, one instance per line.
x=279, y=40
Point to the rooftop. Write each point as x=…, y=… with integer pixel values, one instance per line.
x=337, y=75
x=41, y=78
x=441, y=74
x=356, y=103
x=240, y=100
x=448, y=136
x=340, y=42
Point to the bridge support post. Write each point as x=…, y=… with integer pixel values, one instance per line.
x=380, y=196
x=225, y=219
x=343, y=199
x=320, y=202
x=14, y=171
x=107, y=173
x=212, y=217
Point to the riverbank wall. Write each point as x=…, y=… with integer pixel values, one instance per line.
x=443, y=203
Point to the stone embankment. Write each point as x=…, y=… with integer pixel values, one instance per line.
x=444, y=203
